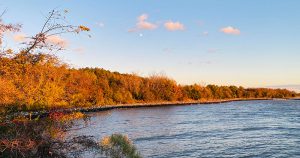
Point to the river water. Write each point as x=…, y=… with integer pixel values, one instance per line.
x=235, y=129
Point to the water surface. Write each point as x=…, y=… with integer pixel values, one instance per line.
x=235, y=129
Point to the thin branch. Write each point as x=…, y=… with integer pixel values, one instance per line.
x=3, y=13
x=48, y=19
x=55, y=24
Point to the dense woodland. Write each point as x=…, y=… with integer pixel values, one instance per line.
x=34, y=78
x=35, y=81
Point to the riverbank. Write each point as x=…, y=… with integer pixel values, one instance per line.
x=34, y=114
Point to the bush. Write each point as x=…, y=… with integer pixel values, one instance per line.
x=118, y=146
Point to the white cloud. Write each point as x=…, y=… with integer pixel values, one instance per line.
x=230, y=30
x=132, y=30
x=173, y=26
x=19, y=37
x=79, y=49
x=205, y=33
x=142, y=17
x=100, y=24
x=143, y=24
x=57, y=40
x=146, y=25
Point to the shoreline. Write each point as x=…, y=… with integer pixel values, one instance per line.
x=162, y=104
x=35, y=114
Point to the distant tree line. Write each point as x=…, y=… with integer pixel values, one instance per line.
x=34, y=78
x=39, y=81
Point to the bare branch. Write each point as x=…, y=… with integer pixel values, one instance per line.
x=2, y=13
x=55, y=24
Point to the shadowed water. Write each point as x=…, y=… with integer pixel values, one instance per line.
x=235, y=129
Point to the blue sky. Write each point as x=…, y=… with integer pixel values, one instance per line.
x=248, y=43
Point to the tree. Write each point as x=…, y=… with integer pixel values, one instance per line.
x=55, y=24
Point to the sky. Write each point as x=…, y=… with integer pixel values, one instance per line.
x=230, y=42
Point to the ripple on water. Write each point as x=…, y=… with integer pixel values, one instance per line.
x=235, y=129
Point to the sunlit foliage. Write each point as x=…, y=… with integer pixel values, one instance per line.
x=46, y=85
x=37, y=81
x=118, y=146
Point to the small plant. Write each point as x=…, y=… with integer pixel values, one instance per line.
x=118, y=146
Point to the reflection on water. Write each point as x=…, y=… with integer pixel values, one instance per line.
x=236, y=129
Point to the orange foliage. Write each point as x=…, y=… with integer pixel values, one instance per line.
x=49, y=84
x=60, y=116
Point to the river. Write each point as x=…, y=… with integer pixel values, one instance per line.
x=268, y=128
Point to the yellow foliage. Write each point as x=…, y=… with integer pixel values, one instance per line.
x=72, y=116
x=83, y=28
x=41, y=82
x=105, y=141
x=8, y=92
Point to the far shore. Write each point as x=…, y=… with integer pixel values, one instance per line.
x=34, y=114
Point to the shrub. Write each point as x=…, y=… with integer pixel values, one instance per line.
x=118, y=146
